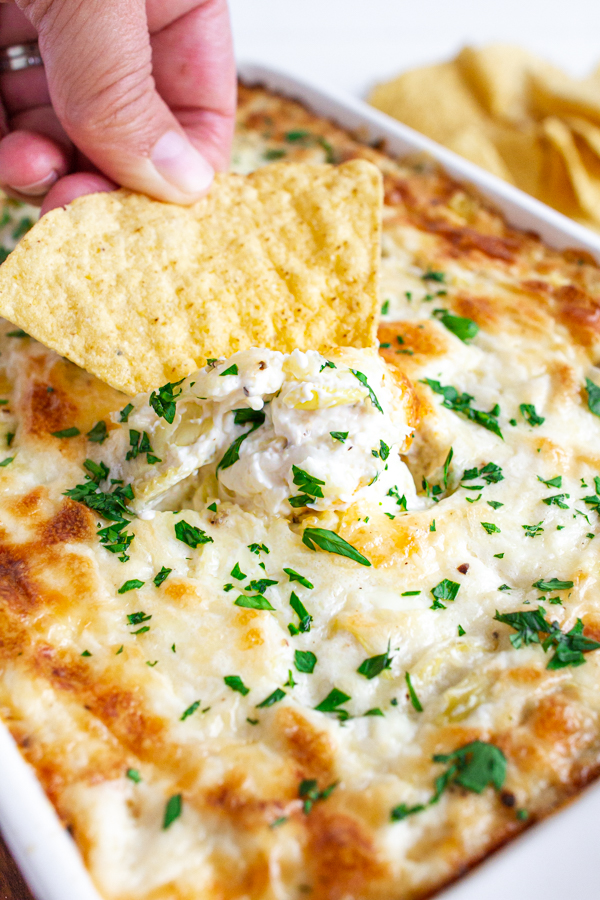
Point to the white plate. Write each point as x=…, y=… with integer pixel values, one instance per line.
x=555, y=859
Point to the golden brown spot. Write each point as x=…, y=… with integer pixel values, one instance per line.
x=423, y=339
x=181, y=592
x=579, y=312
x=71, y=523
x=27, y=506
x=49, y=410
x=466, y=240
x=591, y=627
x=524, y=675
x=311, y=749
x=234, y=798
x=252, y=638
x=245, y=616
x=555, y=720
x=482, y=310
x=384, y=542
x=343, y=856
x=17, y=589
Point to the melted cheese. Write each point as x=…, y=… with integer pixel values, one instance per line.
x=97, y=684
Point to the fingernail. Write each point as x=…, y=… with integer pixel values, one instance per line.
x=37, y=188
x=180, y=164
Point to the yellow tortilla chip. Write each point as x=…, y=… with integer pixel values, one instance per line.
x=140, y=292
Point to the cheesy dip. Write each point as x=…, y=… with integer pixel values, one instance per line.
x=316, y=625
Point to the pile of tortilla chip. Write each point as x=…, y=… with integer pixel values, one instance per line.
x=513, y=114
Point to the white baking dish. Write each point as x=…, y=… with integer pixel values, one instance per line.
x=556, y=858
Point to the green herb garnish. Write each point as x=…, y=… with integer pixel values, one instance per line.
x=163, y=401
x=98, y=433
x=294, y=576
x=236, y=684
x=191, y=535
x=530, y=415
x=275, y=697
x=332, y=543
x=461, y=403
x=363, y=380
x=172, y=810
x=412, y=694
x=190, y=710
x=162, y=576
x=305, y=661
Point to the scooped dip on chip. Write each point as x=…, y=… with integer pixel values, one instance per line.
x=277, y=433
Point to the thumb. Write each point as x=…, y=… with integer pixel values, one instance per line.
x=98, y=62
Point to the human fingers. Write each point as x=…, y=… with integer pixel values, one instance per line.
x=98, y=64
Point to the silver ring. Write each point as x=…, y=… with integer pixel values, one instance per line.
x=20, y=56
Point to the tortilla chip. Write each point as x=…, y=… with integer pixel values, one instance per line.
x=140, y=292
x=515, y=115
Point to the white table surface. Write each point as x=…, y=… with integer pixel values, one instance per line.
x=351, y=44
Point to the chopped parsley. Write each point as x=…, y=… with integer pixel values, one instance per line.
x=172, y=810
x=254, y=601
x=6, y=461
x=19, y=333
x=305, y=661
x=126, y=412
x=113, y=505
x=309, y=484
x=310, y=793
x=593, y=393
x=339, y=436
x=241, y=417
x=98, y=433
x=260, y=584
x=98, y=471
x=133, y=775
x=557, y=500
x=162, y=576
x=375, y=665
x=163, y=402
x=275, y=697
x=431, y=275
x=363, y=380
x=294, y=576
x=86, y=653
x=530, y=415
x=334, y=699
x=532, y=530
x=552, y=482
x=10, y=438
x=445, y=590
x=137, y=618
x=568, y=648
x=495, y=504
x=400, y=500
x=190, y=535
x=416, y=703
x=464, y=329
x=461, y=631
x=303, y=615
x=131, y=585
x=236, y=684
x=461, y=403
x=490, y=527
x=473, y=766
x=190, y=710
x=66, y=433
x=332, y=543
x=385, y=307
x=552, y=584
x=258, y=548
x=236, y=572
x=115, y=539
x=232, y=370
x=410, y=593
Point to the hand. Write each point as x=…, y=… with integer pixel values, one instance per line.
x=133, y=93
